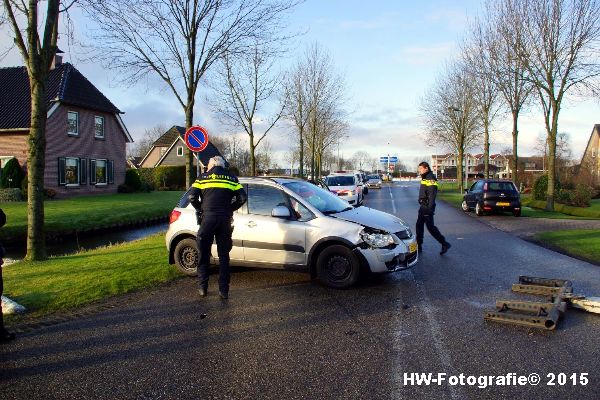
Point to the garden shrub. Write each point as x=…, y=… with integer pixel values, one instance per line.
x=11, y=194
x=12, y=174
x=540, y=187
x=132, y=180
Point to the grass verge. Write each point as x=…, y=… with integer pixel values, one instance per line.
x=89, y=212
x=583, y=244
x=530, y=208
x=66, y=282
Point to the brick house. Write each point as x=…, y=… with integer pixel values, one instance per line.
x=590, y=162
x=85, y=136
x=170, y=150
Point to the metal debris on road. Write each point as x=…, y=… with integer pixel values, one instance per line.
x=559, y=294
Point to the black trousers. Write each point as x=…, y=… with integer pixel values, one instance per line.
x=211, y=228
x=1, y=291
x=426, y=218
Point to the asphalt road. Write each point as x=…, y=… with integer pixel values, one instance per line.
x=281, y=336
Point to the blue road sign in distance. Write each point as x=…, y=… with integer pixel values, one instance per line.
x=383, y=159
x=196, y=138
x=394, y=159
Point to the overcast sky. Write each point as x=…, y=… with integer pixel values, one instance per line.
x=390, y=52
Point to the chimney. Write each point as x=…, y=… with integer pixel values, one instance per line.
x=57, y=60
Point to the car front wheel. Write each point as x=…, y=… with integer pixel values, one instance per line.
x=337, y=267
x=186, y=256
x=465, y=207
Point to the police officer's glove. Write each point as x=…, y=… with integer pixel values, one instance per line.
x=198, y=217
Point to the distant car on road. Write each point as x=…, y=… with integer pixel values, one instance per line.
x=347, y=187
x=374, y=181
x=489, y=195
x=291, y=222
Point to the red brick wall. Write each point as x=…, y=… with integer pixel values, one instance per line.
x=60, y=144
x=14, y=144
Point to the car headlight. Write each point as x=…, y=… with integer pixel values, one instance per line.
x=377, y=239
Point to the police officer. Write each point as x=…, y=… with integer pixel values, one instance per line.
x=5, y=335
x=427, y=193
x=215, y=195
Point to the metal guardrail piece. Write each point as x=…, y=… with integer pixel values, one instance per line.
x=544, y=315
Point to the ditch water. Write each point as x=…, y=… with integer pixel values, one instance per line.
x=71, y=244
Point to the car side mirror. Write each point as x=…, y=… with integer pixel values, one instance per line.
x=280, y=212
x=466, y=191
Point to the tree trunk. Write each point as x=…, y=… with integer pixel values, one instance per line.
x=36, y=159
x=459, y=170
x=552, y=159
x=515, y=161
x=189, y=159
x=486, y=149
x=301, y=161
x=252, y=156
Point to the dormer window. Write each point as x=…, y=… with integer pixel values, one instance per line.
x=99, y=127
x=73, y=123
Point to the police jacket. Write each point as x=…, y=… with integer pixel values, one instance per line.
x=427, y=192
x=217, y=193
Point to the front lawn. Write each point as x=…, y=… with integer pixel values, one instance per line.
x=580, y=243
x=66, y=282
x=89, y=212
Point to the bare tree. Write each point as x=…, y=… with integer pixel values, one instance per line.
x=361, y=159
x=451, y=115
x=297, y=107
x=558, y=47
x=507, y=70
x=38, y=53
x=477, y=56
x=248, y=86
x=178, y=41
x=325, y=96
x=144, y=145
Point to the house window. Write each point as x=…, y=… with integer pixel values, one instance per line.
x=180, y=151
x=99, y=127
x=71, y=171
x=73, y=123
x=101, y=172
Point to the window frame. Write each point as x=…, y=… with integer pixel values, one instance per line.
x=76, y=113
x=105, y=183
x=179, y=148
x=96, y=117
x=283, y=194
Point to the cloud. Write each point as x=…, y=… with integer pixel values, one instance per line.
x=425, y=55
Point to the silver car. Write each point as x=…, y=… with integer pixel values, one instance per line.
x=374, y=181
x=290, y=223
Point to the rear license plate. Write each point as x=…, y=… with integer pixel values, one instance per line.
x=502, y=204
x=412, y=247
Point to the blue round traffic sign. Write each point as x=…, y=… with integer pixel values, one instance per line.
x=196, y=138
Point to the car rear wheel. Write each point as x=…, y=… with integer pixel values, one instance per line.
x=517, y=213
x=337, y=267
x=186, y=256
x=465, y=207
x=478, y=210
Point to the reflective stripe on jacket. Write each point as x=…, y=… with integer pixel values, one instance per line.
x=428, y=191
x=217, y=193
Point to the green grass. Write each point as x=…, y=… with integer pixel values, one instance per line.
x=67, y=282
x=88, y=212
x=586, y=212
x=580, y=243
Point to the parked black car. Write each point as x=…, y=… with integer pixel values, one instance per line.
x=489, y=195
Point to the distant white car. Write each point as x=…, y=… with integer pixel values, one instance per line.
x=347, y=187
x=291, y=222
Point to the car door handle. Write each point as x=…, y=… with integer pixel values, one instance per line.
x=251, y=224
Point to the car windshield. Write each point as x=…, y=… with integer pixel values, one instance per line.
x=321, y=199
x=501, y=187
x=373, y=177
x=340, y=180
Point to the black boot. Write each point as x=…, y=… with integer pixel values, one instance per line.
x=6, y=336
x=445, y=247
